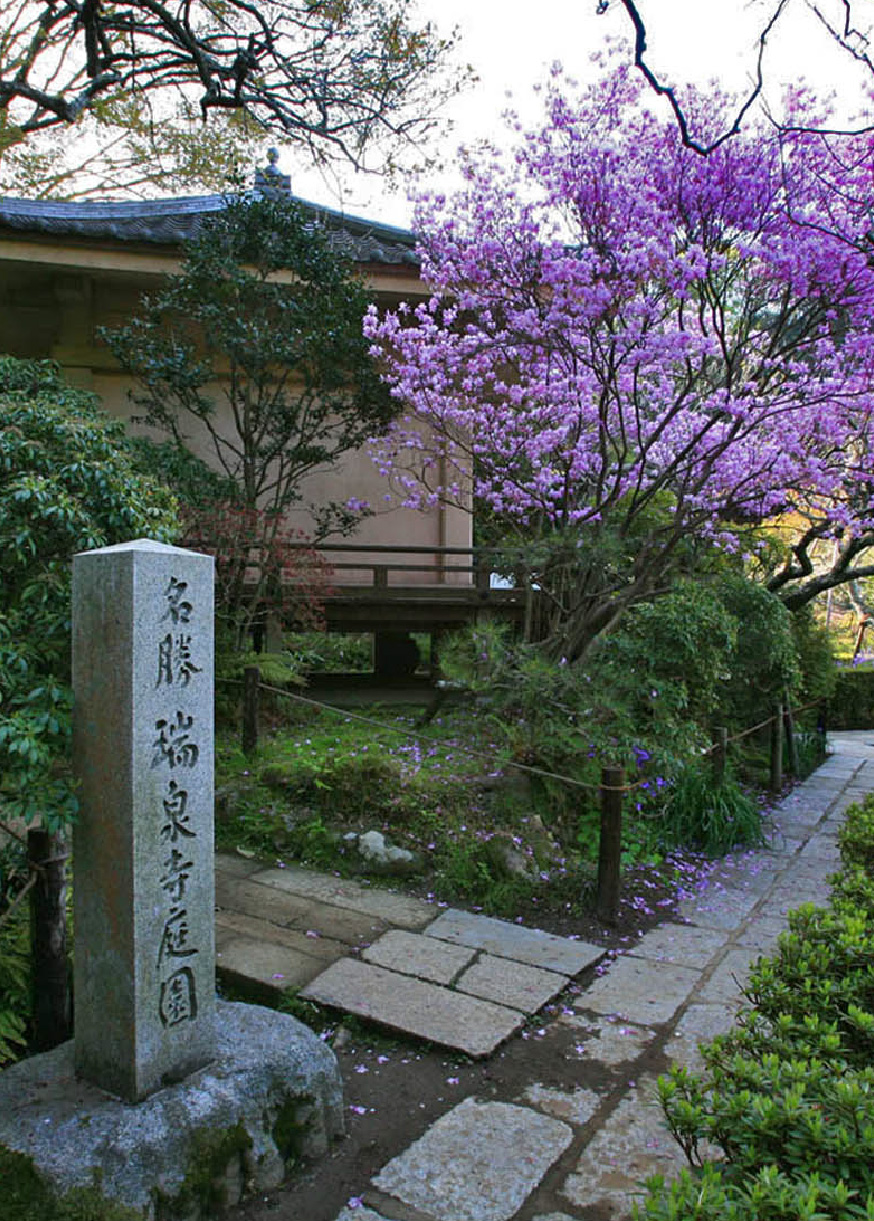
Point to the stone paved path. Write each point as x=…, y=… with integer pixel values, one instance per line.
x=550, y=1155
x=462, y=981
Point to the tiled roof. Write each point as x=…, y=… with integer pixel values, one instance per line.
x=171, y=221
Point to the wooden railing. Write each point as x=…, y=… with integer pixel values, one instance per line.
x=479, y=563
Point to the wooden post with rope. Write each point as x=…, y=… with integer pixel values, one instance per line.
x=777, y=748
x=251, y=680
x=610, y=843
x=50, y=987
x=791, y=740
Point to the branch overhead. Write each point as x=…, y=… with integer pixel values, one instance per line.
x=843, y=33
x=330, y=74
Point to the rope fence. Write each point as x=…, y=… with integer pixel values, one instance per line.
x=611, y=790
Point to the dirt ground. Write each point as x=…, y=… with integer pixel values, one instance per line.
x=395, y=1089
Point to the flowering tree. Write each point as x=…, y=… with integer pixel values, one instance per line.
x=841, y=22
x=629, y=346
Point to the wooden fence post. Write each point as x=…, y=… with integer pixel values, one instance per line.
x=791, y=740
x=251, y=679
x=777, y=748
x=50, y=983
x=720, y=749
x=610, y=844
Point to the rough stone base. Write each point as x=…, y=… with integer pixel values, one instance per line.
x=272, y=1075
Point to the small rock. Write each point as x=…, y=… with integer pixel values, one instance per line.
x=342, y=1038
x=383, y=857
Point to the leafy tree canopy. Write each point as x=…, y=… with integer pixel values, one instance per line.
x=68, y=483
x=255, y=350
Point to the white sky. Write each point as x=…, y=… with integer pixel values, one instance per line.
x=512, y=43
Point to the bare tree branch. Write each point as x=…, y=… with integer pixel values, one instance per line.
x=333, y=75
x=848, y=37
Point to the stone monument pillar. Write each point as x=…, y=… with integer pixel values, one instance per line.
x=144, y=905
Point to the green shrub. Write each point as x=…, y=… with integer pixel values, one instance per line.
x=856, y=836
x=769, y=1195
x=811, y=748
x=788, y=1094
x=14, y=980
x=321, y=652
x=816, y=656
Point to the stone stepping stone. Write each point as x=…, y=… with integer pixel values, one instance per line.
x=252, y=952
x=414, y=1006
x=528, y=945
x=606, y=1039
x=248, y=897
x=479, y=1162
x=514, y=984
x=679, y=944
x=633, y=1144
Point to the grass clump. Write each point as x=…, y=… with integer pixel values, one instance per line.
x=15, y=1001
x=708, y=816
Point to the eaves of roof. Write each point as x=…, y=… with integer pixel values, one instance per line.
x=169, y=222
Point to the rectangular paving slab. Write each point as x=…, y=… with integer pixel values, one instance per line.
x=479, y=1162
x=236, y=866
x=679, y=943
x=640, y=990
x=424, y=957
x=717, y=909
x=249, y=897
x=387, y=905
x=505, y=940
x=414, y=1006
x=511, y=983
x=271, y=968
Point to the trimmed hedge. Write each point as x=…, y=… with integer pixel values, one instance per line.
x=788, y=1094
x=852, y=705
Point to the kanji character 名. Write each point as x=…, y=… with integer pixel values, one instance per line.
x=178, y=607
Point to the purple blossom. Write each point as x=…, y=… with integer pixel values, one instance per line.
x=716, y=284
